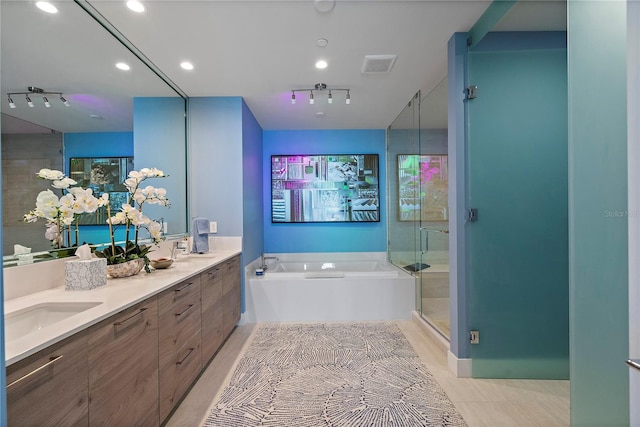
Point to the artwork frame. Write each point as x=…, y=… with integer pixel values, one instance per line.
x=423, y=187
x=325, y=188
x=102, y=175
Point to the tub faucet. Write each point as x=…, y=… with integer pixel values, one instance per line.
x=264, y=258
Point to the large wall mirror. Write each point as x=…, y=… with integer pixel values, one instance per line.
x=111, y=113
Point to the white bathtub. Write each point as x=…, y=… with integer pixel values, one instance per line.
x=329, y=287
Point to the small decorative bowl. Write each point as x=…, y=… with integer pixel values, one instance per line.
x=161, y=263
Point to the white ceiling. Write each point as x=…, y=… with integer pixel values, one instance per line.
x=259, y=50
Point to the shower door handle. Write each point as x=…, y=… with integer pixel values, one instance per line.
x=634, y=363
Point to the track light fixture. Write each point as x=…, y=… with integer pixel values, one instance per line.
x=31, y=91
x=320, y=87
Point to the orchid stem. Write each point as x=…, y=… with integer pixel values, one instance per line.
x=113, y=243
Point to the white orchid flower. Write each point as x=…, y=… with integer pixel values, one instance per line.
x=103, y=200
x=47, y=203
x=90, y=204
x=63, y=183
x=50, y=174
x=155, y=231
x=68, y=203
x=51, y=232
x=30, y=217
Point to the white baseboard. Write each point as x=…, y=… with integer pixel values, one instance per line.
x=460, y=367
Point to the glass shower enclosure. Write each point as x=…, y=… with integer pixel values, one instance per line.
x=417, y=171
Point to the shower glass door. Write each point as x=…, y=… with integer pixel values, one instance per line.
x=433, y=173
x=403, y=231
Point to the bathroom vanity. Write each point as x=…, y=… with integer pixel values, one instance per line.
x=131, y=356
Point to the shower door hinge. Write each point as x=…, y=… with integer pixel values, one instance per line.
x=471, y=92
x=474, y=337
x=472, y=215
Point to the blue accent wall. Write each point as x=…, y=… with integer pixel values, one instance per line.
x=97, y=144
x=324, y=237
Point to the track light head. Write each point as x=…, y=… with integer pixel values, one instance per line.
x=311, y=98
x=330, y=98
x=11, y=103
x=46, y=102
x=64, y=101
x=348, y=100
x=29, y=102
x=293, y=97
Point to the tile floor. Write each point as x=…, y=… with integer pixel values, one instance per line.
x=482, y=402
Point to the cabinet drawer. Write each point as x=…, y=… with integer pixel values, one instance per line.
x=233, y=265
x=123, y=368
x=231, y=275
x=178, y=326
x=177, y=376
x=49, y=388
x=171, y=298
x=211, y=282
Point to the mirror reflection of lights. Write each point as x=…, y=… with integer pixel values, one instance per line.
x=135, y=5
x=46, y=7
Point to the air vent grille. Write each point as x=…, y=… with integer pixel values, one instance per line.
x=378, y=63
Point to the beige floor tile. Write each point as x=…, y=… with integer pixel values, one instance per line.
x=195, y=407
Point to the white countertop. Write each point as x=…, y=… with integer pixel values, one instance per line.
x=115, y=296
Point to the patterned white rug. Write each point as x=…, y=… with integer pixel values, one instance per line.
x=336, y=374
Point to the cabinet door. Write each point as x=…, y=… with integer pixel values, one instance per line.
x=212, y=336
x=231, y=295
x=49, y=388
x=123, y=368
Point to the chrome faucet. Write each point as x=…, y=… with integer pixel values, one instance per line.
x=264, y=258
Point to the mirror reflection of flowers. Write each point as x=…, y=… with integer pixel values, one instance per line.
x=131, y=217
x=61, y=213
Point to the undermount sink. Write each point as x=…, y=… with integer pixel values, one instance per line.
x=40, y=316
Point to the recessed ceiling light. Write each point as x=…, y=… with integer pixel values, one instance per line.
x=322, y=42
x=321, y=64
x=135, y=5
x=186, y=65
x=122, y=66
x=96, y=116
x=46, y=6
x=319, y=114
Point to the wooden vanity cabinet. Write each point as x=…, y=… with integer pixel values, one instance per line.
x=180, y=352
x=123, y=368
x=49, y=388
x=212, y=334
x=132, y=368
x=230, y=294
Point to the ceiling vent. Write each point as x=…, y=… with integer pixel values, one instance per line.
x=378, y=63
